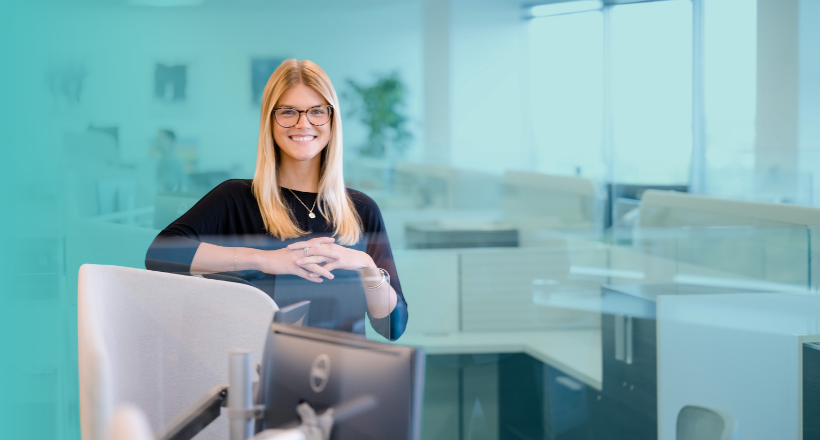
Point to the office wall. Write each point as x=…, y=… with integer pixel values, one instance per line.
x=119, y=45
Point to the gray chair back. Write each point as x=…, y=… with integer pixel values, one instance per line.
x=701, y=423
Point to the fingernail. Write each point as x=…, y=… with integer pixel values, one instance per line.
x=299, y=261
x=313, y=275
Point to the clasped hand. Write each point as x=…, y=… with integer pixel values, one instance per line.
x=324, y=255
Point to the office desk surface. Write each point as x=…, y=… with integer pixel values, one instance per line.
x=575, y=352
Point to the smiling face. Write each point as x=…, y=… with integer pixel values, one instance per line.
x=303, y=141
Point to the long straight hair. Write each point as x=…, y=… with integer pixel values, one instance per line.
x=334, y=203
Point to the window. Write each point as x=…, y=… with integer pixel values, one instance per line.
x=651, y=80
x=566, y=80
x=730, y=93
x=649, y=76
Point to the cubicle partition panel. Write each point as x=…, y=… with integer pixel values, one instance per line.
x=758, y=241
x=553, y=202
x=730, y=255
x=499, y=287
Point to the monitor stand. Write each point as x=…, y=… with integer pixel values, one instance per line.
x=238, y=398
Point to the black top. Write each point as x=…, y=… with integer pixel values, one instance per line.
x=229, y=216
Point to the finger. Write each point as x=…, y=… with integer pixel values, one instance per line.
x=318, y=270
x=321, y=251
x=332, y=265
x=299, y=272
x=313, y=260
x=312, y=242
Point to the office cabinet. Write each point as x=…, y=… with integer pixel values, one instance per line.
x=628, y=404
x=811, y=391
x=739, y=354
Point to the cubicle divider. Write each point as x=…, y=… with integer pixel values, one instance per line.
x=768, y=241
x=579, y=314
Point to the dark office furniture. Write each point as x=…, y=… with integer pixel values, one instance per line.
x=435, y=236
x=811, y=391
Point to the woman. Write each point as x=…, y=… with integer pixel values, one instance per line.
x=295, y=231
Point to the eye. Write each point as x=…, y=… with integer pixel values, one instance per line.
x=318, y=111
x=286, y=112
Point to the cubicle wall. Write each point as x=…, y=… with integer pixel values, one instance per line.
x=546, y=302
x=549, y=201
x=761, y=241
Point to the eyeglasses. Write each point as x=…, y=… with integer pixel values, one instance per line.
x=287, y=117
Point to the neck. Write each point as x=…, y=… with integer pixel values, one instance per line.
x=299, y=175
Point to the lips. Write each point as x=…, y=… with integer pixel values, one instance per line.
x=302, y=138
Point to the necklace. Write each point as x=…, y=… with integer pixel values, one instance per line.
x=310, y=210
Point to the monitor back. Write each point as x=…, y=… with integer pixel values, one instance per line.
x=327, y=368
x=294, y=314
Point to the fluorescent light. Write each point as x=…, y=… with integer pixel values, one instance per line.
x=165, y=3
x=566, y=8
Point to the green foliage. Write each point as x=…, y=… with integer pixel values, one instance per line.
x=379, y=106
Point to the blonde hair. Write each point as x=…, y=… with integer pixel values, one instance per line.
x=334, y=203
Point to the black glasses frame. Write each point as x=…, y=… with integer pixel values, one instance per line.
x=330, y=116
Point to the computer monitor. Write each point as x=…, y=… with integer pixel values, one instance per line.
x=294, y=314
x=326, y=368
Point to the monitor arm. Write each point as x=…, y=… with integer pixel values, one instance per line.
x=196, y=417
x=242, y=412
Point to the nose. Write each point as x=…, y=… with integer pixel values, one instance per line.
x=303, y=121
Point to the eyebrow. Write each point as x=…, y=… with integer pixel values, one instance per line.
x=294, y=107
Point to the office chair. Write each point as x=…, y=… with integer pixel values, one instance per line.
x=701, y=423
x=159, y=341
x=129, y=423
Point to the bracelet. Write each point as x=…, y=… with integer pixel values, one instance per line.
x=385, y=277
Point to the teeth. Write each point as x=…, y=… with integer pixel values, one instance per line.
x=302, y=138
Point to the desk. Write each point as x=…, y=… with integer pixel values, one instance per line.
x=575, y=352
x=497, y=391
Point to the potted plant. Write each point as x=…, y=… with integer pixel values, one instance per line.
x=379, y=106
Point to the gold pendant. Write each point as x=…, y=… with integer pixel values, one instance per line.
x=311, y=215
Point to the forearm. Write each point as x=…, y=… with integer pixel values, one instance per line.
x=211, y=258
x=380, y=301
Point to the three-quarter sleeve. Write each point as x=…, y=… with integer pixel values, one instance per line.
x=378, y=247
x=174, y=248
